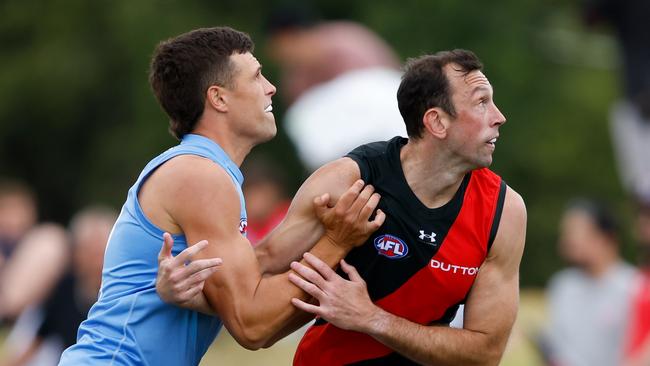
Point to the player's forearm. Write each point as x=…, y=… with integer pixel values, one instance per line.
x=275, y=252
x=433, y=345
x=294, y=323
x=262, y=316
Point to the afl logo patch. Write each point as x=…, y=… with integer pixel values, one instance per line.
x=243, y=226
x=391, y=246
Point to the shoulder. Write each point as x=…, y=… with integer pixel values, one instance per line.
x=514, y=205
x=344, y=168
x=334, y=178
x=625, y=272
x=566, y=280
x=188, y=175
x=375, y=149
x=194, y=186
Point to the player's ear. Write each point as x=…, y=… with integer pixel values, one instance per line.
x=436, y=122
x=215, y=97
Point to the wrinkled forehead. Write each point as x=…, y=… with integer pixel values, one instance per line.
x=462, y=81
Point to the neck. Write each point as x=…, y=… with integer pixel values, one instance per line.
x=433, y=174
x=234, y=146
x=600, y=266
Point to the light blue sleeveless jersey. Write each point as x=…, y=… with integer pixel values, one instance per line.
x=129, y=324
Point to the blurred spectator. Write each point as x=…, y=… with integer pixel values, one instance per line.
x=630, y=123
x=630, y=117
x=68, y=304
x=637, y=352
x=340, y=80
x=267, y=201
x=589, y=302
x=17, y=215
x=36, y=255
x=32, y=270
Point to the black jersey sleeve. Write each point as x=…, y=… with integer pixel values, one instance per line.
x=365, y=154
x=361, y=161
x=497, y=215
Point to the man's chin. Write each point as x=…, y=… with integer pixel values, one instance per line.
x=270, y=135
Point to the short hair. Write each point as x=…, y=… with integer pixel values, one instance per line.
x=424, y=86
x=12, y=187
x=600, y=214
x=91, y=215
x=184, y=67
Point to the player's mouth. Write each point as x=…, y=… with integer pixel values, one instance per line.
x=492, y=141
x=268, y=108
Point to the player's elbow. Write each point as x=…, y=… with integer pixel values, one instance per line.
x=491, y=353
x=492, y=358
x=252, y=336
x=248, y=341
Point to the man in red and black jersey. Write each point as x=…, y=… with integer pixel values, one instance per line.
x=454, y=234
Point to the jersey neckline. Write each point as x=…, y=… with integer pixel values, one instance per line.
x=451, y=207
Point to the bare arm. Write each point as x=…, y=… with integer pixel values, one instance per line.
x=253, y=306
x=31, y=273
x=300, y=229
x=489, y=313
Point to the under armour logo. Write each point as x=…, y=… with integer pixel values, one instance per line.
x=431, y=237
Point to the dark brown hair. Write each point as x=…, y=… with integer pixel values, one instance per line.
x=184, y=67
x=424, y=86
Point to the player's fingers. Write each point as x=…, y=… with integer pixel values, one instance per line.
x=306, y=286
x=309, y=274
x=352, y=273
x=376, y=223
x=188, y=253
x=201, y=276
x=323, y=269
x=190, y=293
x=348, y=198
x=361, y=202
x=305, y=306
x=166, y=249
x=321, y=204
x=369, y=207
x=201, y=264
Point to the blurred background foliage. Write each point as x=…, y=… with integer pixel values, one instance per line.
x=78, y=121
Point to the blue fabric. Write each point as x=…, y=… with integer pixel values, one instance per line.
x=129, y=324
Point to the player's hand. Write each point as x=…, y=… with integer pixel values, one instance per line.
x=345, y=304
x=346, y=224
x=180, y=279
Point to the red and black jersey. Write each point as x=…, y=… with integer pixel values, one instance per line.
x=419, y=265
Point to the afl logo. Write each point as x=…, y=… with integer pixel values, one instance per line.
x=391, y=246
x=243, y=226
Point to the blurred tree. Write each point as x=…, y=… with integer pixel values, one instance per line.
x=78, y=121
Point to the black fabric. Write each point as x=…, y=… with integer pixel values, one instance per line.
x=63, y=313
x=409, y=220
x=497, y=213
x=392, y=359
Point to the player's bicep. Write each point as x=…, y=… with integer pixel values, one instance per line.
x=209, y=208
x=492, y=304
x=300, y=229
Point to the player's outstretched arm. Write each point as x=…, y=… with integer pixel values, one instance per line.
x=252, y=306
x=490, y=310
x=300, y=229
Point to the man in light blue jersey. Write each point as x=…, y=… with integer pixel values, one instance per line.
x=219, y=104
